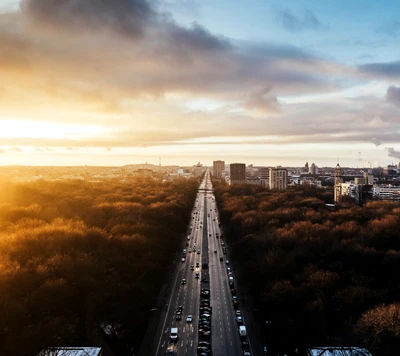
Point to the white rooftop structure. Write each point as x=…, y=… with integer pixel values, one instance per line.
x=338, y=351
x=71, y=351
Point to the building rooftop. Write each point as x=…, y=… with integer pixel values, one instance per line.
x=71, y=351
x=338, y=351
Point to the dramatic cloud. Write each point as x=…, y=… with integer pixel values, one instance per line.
x=128, y=17
x=133, y=74
x=389, y=69
x=262, y=101
x=393, y=95
x=376, y=142
x=392, y=152
x=293, y=23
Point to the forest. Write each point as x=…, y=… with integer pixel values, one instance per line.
x=77, y=258
x=320, y=275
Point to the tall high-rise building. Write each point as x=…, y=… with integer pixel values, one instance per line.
x=313, y=169
x=238, y=173
x=306, y=167
x=337, y=197
x=218, y=168
x=278, y=178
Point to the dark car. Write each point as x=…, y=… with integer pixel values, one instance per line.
x=204, y=280
x=203, y=349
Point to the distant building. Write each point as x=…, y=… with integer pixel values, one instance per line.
x=390, y=170
x=313, y=169
x=338, y=187
x=278, y=178
x=71, y=351
x=386, y=192
x=218, y=168
x=306, y=168
x=238, y=173
x=198, y=170
x=263, y=173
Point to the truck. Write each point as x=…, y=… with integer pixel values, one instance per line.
x=242, y=331
x=174, y=334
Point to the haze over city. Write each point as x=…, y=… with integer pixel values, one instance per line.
x=263, y=82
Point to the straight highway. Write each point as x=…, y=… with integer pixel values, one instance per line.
x=202, y=315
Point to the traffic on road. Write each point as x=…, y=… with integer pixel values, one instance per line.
x=203, y=313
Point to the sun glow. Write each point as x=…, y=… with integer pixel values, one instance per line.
x=19, y=128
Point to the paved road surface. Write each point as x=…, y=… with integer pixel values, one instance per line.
x=225, y=337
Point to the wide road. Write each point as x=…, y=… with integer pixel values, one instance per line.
x=225, y=337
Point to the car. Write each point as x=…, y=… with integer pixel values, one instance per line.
x=187, y=243
x=204, y=324
x=192, y=267
x=189, y=319
x=205, y=315
x=198, y=252
x=197, y=275
x=204, y=280
x=245, y=345
x=197, y=264
x=246, y=353
x=215, y=251
x=209, y=235
x=183, y=259
x=222, y=243
x=227, y=262
x=205, y=334
x=233, y=291
x=221, y=258
x=230, y=274
x=204, y=349
x=184, y=251
x=239, y=319
x=205, y=310
x=183, y=281
x=204, y=343
x=178, y=316
x=238, y=312
x=179, y=308
x=228, y=269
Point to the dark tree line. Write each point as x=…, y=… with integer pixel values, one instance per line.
x=78, y=257
x=322, y=275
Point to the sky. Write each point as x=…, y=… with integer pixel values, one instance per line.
x=115, y=82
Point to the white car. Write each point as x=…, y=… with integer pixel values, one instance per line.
x=239, y=319
x=183, y=259
x=227, y=262
x=189, y=319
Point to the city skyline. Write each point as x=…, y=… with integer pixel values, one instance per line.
x=128, y=82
